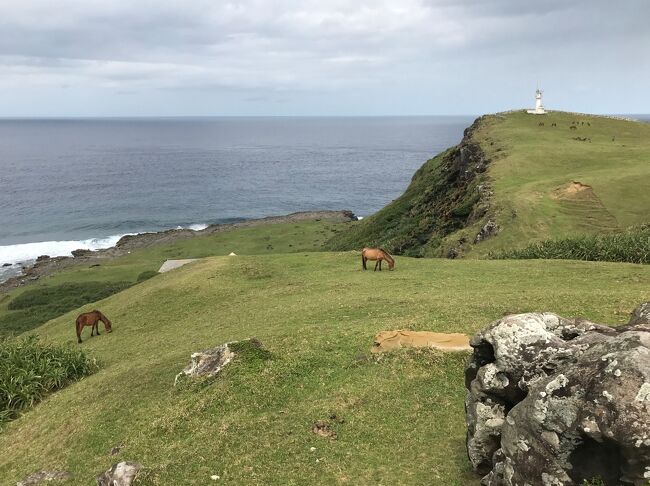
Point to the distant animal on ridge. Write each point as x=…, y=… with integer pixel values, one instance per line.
x=92, y=319
x=377, y=255
x=573, y=127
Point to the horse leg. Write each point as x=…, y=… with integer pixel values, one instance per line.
x=78, y=333
x=97, y=328
x=380, y=265
x=376, y=263
x=363, y=262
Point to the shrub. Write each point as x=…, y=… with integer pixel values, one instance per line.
x=29, y=370
x=38, y=305
x=146, y=275
x=632, y=246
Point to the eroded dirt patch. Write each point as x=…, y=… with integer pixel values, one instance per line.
x=389, y=340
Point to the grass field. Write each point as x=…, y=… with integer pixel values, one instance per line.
x=316, y=313
x=535, y=161
x=98, y=281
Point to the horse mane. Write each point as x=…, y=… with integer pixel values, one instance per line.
x=387, y=255
x=102, y=316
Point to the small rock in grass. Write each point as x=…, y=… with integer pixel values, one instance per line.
x=121, y=474
x=42, y=476
x=214, y=477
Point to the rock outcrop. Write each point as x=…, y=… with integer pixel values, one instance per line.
x=121, y=474
x=554, y=401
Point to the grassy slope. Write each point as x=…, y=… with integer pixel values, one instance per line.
x=528, y=163
x=265, y=239
x=540, y=159
x=317, y=314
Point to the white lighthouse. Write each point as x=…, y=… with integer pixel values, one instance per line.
x=539, y=108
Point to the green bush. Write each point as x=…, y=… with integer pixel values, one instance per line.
x=29, y=370
x=38, y=305
x=632, y=246
x=146, y=275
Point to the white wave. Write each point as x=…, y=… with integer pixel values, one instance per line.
x=359, y=218
x=26, y=252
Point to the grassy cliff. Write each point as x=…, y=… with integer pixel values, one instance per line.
x=516, y=179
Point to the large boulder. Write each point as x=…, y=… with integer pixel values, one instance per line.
x=554, y=401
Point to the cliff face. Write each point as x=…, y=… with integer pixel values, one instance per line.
x=448, y=193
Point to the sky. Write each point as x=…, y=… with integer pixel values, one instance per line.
x=321, y=57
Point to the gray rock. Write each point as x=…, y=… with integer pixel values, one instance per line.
x=488, y=230
x=208, y=362
x=553, y=401
x=640, y=315
x=121, y=474
x=43, y=476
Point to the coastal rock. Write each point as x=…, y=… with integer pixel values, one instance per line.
x=42, y=258
x=44, y=476
x=121, y=474
x=81, y=252
x=554, y=401
x=6, y=264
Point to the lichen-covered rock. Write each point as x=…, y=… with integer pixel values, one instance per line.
x=121, y=474
x=553, y=401
x=640, y=315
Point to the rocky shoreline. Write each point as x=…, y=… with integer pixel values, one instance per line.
x=46, y=265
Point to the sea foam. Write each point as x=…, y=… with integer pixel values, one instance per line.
x=28, y=252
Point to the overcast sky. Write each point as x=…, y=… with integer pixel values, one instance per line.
x=321, y=57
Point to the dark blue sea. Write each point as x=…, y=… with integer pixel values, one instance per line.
x=82, y=183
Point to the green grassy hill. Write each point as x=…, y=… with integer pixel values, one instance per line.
x=534, y=182
x=400, y=417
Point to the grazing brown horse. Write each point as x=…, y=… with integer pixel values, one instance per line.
x=92, y=319
x=377, y=254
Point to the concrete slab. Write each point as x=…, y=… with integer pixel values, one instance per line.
x=172, y=264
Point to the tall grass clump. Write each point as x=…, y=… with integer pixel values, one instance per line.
x=30, y=369
x=632, y=246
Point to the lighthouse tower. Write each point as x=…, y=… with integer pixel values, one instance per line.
x=539, y=108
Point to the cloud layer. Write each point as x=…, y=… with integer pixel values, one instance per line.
x=320, y=57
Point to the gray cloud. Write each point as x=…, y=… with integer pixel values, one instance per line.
x=367, y=56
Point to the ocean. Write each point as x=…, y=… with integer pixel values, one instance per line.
x=84, y=183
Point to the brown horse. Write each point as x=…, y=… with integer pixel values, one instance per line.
x=92, y=319
x=378, y=255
